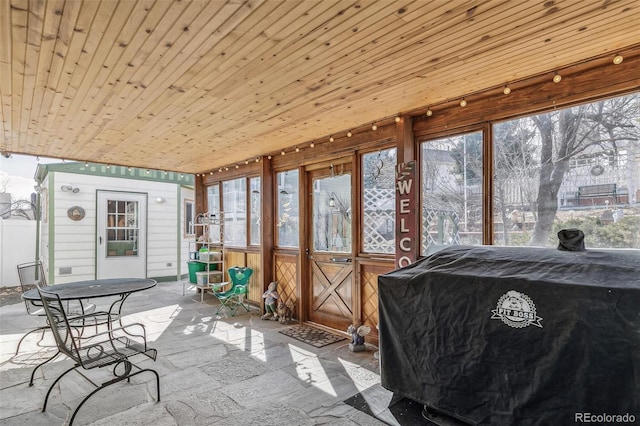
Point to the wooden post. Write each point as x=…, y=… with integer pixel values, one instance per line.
x=267, y=222
x=407, y=196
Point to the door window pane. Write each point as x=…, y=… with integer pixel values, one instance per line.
x=288, y=209
x=451, y=205
x=332, y=214
x=379, y=201
x=576, y=167
x=122, y=228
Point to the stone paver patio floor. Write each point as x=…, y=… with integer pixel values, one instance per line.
x=213, y=370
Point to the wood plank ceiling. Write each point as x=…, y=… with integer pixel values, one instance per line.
x=192, y=85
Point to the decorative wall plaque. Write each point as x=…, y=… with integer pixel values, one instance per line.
x=75, y=213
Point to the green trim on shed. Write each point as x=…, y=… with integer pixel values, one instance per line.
x=123, y=172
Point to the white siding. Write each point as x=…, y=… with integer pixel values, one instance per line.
x=75, y=241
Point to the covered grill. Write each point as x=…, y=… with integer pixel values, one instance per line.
x=514, y=335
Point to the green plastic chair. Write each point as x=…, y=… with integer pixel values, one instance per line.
x=233, y=298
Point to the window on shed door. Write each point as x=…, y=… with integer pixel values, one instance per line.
x=122, y=228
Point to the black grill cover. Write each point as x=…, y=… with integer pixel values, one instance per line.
x=514, y=335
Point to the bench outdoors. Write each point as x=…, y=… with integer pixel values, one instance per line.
x=596, y=191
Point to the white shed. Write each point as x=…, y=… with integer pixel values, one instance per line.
x=100, y=221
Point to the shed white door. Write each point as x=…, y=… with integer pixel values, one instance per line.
x=121, y=235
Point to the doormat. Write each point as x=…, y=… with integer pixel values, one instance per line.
x=312, y=336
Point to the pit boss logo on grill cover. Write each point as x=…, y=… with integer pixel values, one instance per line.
x=516, y=310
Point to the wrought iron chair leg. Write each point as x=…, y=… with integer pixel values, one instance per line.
x=116, y=380
x=33, y=373
x=43, y=329
x=46, y=398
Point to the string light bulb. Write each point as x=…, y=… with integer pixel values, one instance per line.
x=557, y=78
x=282, y=153
x=463, y=103
x=312, y=145
x=297, y=149
x=429, y=113
x=506, y=90
x=237, y=167
x=331, y=139
x=349, y=134
x=618, y=59
x=269, y=156
x=246, y=161
x=211, y=172
x=374, y=127
x=257, y=159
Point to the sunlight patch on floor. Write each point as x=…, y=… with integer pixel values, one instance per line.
x=361, y=377
x=309, y=369
x=156, y=321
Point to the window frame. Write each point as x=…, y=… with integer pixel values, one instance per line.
x=361, y=170
x=276, y=209
x=189, y=231
x=485, y=176
x=248, y=214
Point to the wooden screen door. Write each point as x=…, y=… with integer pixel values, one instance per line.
x=330, y=254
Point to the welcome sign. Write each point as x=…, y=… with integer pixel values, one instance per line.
x=406, y=247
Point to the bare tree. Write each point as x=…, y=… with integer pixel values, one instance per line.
x=564, y=134
x=516, y=165
x=23, y=208
x=10, y=206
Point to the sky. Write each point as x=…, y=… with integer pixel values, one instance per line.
x=17, y=174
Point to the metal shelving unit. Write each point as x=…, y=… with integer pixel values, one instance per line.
x=209, y=234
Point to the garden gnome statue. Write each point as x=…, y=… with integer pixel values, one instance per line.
x=357, y=337
x=271, y=302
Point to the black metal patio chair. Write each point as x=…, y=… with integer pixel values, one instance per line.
x=112, y=348
x=32, y=274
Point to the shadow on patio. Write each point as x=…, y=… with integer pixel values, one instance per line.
x=227, y=370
